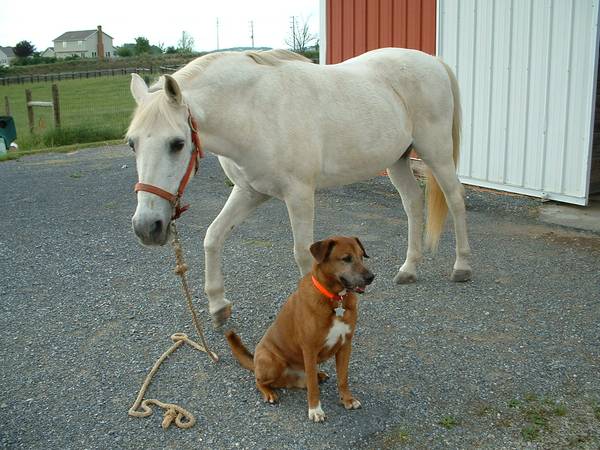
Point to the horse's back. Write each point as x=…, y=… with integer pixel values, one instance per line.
x=410, y=72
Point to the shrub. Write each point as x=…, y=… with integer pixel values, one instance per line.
x=32, y=60
x=70, y=135
x=124, y=52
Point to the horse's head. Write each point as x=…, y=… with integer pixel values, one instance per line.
x=159, y=135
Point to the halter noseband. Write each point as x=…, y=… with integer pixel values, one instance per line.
x=193, y=165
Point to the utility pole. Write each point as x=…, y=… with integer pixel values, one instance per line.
x=293, y=25
x=217, y=33
x=252, y=32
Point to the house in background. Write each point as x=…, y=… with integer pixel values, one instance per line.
x=85, y=44
x=48, y=53
x=6, y=56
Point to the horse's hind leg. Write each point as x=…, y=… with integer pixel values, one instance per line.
x=444, y=170
x=412, y=199
x=239, y=205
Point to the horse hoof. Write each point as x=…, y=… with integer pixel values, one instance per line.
x=405, y=278
x=461, y=275
x=221, y=316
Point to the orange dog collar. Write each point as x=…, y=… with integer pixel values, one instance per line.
x=323, y=290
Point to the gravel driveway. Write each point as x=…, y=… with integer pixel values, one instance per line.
x=509, y=360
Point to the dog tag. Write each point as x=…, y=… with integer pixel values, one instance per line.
x=339, y=311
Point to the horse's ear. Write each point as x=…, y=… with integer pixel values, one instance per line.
x=322, y=249
x=138, y=87
x=172, y=90
x=361, y=247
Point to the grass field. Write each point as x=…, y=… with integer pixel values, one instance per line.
x=96, y=109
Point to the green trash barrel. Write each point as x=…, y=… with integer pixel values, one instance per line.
x=8, y=131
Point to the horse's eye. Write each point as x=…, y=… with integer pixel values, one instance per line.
x=347, y=259
x=131, y=144
x=177, y=145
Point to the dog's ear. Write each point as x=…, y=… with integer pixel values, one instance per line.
x=361, y=247
x=322, y=249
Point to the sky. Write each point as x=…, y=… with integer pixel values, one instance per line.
x=43, y=21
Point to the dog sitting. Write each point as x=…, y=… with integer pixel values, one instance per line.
x=316, y=323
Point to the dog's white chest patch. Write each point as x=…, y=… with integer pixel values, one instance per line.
x=338, y=330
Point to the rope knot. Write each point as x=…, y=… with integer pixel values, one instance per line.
x=181, y=268
x=170, y=416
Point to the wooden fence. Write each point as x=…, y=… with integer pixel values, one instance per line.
x=54, y=104
x=22, y=79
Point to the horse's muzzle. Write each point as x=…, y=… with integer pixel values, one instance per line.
x=151, y=232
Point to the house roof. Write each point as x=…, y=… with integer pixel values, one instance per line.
x=8, y=51
x=77, y=35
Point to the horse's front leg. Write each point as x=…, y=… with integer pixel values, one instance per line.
x=301, y=208
x=239, y=205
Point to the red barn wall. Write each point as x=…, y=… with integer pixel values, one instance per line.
x=357, y=26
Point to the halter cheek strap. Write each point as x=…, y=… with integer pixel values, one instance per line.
x=192, y=166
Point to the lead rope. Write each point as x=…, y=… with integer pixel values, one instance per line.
x=173, y=413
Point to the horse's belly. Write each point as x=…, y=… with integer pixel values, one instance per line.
x=358, y=166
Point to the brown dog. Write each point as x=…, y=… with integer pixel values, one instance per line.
x=315, y=323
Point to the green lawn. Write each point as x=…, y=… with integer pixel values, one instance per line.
x=95, y=109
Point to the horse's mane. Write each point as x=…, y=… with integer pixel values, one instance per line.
x=266, y=58
x=275, y=57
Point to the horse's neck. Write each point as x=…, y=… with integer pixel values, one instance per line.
x=217, y=111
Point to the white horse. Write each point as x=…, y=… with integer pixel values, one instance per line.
x=283, y=127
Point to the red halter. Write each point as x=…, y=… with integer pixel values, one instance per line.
x=193, y=165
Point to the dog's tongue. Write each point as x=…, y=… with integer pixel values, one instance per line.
x=359, y=289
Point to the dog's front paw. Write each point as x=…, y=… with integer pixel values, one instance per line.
x=316, y=414
x=269, y=396
x=351, y=403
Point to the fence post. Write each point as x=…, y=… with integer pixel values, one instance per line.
x=56, y=106
x=29, y=110
x=7, y=105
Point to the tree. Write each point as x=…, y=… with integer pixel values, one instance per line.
x=24, y=49
x=142, y=45
x=170, y=50
x=300, y=37
x=124, y=52
x=186, y=43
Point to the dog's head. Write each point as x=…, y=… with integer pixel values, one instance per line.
x=341, y=259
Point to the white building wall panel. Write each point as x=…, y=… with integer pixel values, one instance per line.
x=527, y=71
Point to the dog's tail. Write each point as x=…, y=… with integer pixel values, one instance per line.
x=241, y=353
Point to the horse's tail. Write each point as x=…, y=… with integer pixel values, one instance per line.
x=437, y=208
x=241, y=353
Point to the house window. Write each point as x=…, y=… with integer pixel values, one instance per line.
x=80, y=44
x=108, y=54
x=93, y=54
x=64, y=44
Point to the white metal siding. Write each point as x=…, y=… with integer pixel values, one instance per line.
x=526, y=69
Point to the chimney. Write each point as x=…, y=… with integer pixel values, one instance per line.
x=100, y=47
